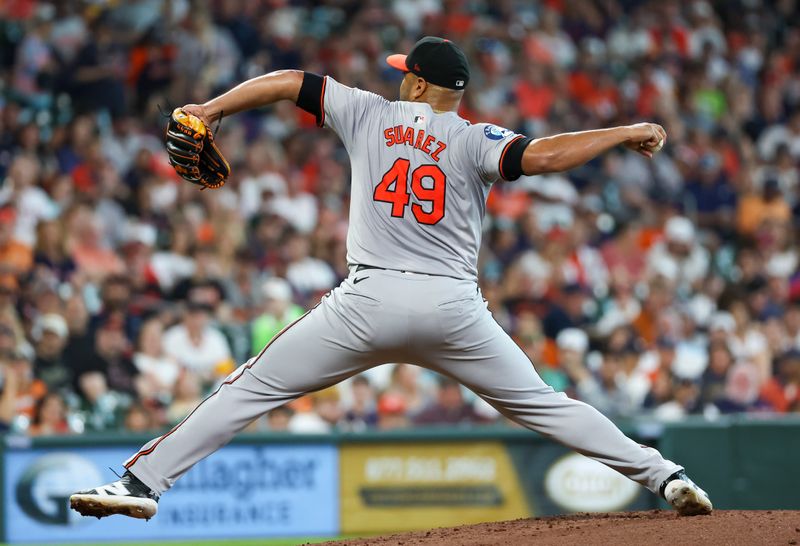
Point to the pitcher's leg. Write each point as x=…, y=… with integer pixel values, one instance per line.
x=488, y=361
x=312, y=353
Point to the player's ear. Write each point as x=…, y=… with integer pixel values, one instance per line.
x=419, y=88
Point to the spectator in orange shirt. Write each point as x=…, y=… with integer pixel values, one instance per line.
x=50, y=416
x=782, y=392
x=754, y=208
x=15, y=257
x=29, y=390
x=658, y=300
x=535, y=95
x=88, y=251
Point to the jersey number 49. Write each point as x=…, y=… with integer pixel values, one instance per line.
x=428, y=184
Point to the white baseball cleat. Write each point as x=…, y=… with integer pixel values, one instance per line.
x=127, y=496
x=685, y=496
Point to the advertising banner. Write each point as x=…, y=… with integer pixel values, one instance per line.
x=240, y=491
x=410, y=486
x=406, y=486
x=559, y=481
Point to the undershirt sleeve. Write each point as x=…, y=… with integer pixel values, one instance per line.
x=511, y=159
x=312, y=93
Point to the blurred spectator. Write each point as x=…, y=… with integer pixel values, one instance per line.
x=392, y=412
x=405, y=382
x=655, y=310
x=755, y=208
x=186, y=396
x=112, y=358
x=138, y=419
x=277, y=312
x=278, y=419
x=31, y=202
x=92, y=257
x=51, y=252
x=173, y=265
x=616, y=388
x=79, y=352
x=621, y=307
x=35, y=60
x=15, y=257
x=50, y=416
x=11, y=328
x=9, y=390
x=115, y=305
x=326, y=412
x=450, y=408
x=679, y=258
x=197, y=346
x=781, y=135
x=566, y=311
x=50, y=334
x=742, y=390
x=712, y=195
x=665, y=287
x=158, y=370
x=100, y=408
x=29, y=389
x=572, y=345
x=99, y=70
x=674, y=398
x=305, y=273
x=362, y=414
x=782, y=392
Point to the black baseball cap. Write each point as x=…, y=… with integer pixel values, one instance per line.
x=437, y=60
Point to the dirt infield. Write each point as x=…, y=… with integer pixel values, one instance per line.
x=723, y=527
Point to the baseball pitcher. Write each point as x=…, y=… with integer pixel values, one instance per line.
x=420, y=179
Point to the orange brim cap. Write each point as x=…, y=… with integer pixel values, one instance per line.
x=397, y=61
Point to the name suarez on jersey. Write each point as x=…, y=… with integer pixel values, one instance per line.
x=399, y=134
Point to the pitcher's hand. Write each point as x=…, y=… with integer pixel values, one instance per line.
x=646, y=138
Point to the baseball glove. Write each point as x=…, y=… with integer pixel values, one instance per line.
x=192, y=151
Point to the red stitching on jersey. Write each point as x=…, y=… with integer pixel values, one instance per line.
x=510, y=142
x=322, y=102
x=229, y=382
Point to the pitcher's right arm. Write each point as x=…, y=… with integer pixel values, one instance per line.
x=501, y=154
x=569, y=150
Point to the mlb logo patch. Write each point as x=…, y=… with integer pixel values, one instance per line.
x=419, y=119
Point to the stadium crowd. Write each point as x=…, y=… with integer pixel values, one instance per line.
x=667, y=287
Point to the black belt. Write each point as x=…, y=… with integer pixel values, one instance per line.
x=362, y=267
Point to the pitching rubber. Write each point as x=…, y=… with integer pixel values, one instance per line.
x=101, y=506
x=687, y=500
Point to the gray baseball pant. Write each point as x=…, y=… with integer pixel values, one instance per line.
x=437, y=322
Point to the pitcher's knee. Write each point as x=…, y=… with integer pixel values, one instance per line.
x=538, y=401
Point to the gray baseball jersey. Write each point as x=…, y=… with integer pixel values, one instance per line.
x=420, y=181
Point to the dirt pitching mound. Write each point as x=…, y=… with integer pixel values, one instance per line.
x=723, y=527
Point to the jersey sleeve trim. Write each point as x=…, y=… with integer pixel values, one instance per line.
x=321, y=122
x=311, y=97
x=510, y=167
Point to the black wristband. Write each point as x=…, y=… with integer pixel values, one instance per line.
x=511, y=158
x=312, y=95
